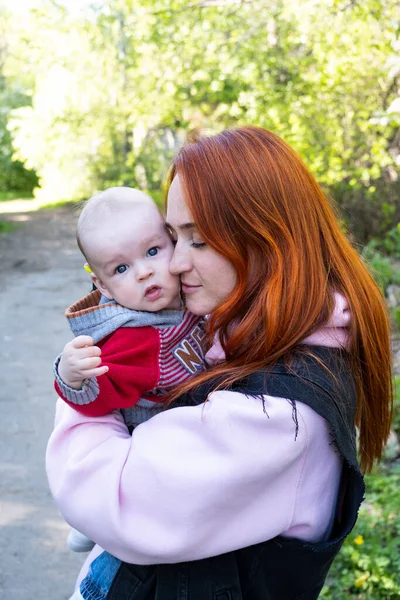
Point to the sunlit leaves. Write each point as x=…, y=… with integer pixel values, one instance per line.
x=108, y=82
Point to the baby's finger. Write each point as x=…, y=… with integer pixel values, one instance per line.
x=88, y=352
x=101, y=371
x=95, y=372
x=81, y=341
x=88, y=363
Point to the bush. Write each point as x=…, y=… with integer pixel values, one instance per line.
x=381, y=266
x=369, y=210
x=396, y=317
x=15, y=195
x=396, y=411
x=390, y=244
x=6, y=227
x=368, y=566
x=15, y=178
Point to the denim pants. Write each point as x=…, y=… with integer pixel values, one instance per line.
x=101, y=574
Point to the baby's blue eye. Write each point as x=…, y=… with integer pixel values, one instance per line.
x=152, y=252
x=121, y=269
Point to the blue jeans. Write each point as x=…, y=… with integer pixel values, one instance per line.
x=98, y=581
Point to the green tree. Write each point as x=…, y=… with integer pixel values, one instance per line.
x=119, y=86
x=14, y=177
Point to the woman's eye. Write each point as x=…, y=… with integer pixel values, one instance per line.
x=152, y=251
x=171, y=236
x=198, y=244
x=121, y=269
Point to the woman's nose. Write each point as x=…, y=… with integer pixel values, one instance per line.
x=180, y=261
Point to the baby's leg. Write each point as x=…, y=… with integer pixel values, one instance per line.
x=99, y=579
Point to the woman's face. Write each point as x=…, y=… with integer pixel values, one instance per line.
x=207, y=277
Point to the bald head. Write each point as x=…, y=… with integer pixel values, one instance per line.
x=104, y=210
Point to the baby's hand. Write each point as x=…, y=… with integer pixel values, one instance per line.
x=80, y=360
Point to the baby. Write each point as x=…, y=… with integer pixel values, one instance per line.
x=134, y=340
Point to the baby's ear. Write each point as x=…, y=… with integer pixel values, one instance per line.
x=100, y=286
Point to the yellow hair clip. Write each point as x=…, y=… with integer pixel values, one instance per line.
x=87, y=268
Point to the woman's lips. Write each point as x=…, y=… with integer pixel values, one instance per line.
x=153, y=293
x=189, y=289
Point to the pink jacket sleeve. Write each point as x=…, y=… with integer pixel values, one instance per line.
x=194, y=482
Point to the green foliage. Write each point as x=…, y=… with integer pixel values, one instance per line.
x=15, y=195
x=381, y=266
x=112, y=91
x=60, y=203
x=368, y=566
x=390, y=244
x=14, y=176
x=158, y=197
x=369, y=209
x=396, y=317
x=6, y=227
x=396, y=411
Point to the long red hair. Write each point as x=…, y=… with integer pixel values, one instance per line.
x=254, y=201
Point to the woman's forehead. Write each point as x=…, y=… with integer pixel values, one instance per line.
x=178, y=213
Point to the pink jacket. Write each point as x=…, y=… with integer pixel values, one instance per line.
x=194, y=482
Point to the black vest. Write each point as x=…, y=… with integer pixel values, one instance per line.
x=280, y=568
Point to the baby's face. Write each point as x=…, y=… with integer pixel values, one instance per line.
x=130, y=258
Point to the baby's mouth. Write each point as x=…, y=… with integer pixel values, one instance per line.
x=153, y=293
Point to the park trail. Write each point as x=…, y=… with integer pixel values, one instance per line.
x=41, y=272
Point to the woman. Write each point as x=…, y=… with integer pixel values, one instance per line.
x=249, y=494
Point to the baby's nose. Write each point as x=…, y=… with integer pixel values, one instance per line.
x=143, y=271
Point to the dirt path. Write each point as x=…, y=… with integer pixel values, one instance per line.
x=40, y=273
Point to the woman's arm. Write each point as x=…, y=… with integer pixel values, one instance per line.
x=190, y=483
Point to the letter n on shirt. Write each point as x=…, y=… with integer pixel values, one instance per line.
x=188, y=357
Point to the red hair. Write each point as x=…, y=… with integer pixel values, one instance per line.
x=254, y=202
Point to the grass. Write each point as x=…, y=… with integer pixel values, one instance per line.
x=59, y=204
x=19, y=205
x=6, y=196
x=368, y=566
x=6, y=227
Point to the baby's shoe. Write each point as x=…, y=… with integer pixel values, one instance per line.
x=78, y=542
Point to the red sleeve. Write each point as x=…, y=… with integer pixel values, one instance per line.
x=131, y=354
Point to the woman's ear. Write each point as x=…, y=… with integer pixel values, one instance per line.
x=100, y=286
